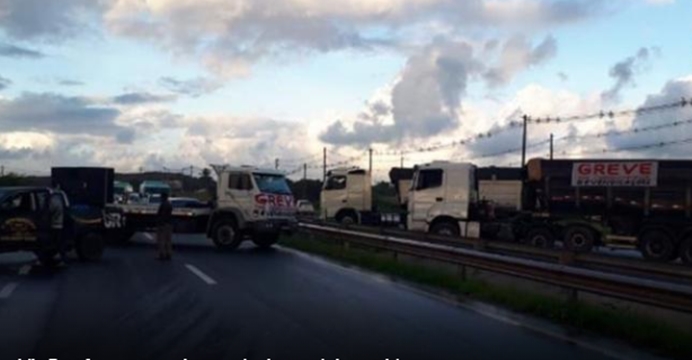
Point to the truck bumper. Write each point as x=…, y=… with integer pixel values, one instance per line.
x=287, y=226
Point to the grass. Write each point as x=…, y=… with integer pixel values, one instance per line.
x=642, y=332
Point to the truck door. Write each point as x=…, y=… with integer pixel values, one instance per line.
x=239, y=192
x=20, y=220
x=334, y=195
x=426, y=193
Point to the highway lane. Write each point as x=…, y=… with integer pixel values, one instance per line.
x=251, y=304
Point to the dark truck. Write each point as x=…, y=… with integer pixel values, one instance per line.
x=635, y=204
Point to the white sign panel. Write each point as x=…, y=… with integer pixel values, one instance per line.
x=615, y=173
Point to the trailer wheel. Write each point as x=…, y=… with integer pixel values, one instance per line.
x=686, y=251
x=579, y=238
x=265, y=241
x=90, y=247
x=541, y=238
x=226, y=235
x=657, y=245
x=347, y=218
x=445, y=228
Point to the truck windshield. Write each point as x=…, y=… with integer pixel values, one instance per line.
x=271, y=183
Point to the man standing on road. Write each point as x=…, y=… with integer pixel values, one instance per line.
x=57, y=218
x=164, y=232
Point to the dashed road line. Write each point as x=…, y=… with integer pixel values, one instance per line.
x=25, y=270
x=7, y=290
x=148, y=236
x=206, y=278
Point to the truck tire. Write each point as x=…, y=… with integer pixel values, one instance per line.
x=579, y=238
x=89, y=247
x=686, y=251
x=265, y=241
x=540, y=237
x=445, y=228
x=348, y=218
x=226, y=235
x=657, y=245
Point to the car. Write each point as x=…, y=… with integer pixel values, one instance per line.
x=188, y=203
x=305, y=208
x=25, y=224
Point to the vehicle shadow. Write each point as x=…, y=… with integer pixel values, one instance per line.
x=204, y=247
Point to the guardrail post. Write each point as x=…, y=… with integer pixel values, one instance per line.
x=461, y=269
x=567, y=258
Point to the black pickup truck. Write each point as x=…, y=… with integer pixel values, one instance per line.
x=25, y=225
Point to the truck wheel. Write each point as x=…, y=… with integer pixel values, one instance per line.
x=265, y=241
x=686, y=251
x=226, y=235
x=657, y=245
x=540, y=238
x=347, y=219
x=579, y=239
x=445, y=229
x=90, y=247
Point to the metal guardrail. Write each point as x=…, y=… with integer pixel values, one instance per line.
x=614, y=264
x=643, y=291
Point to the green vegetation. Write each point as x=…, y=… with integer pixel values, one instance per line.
x=640, y=331
x=12, y=179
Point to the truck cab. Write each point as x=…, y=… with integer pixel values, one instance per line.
x=251, y=203
x=346, y=193
x=441, y=199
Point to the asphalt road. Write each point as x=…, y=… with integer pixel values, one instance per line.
x=249, y=304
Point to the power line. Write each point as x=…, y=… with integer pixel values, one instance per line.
x=610, y=114
x=659, y=144
x=635, y=130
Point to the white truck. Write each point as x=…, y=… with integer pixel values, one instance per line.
x=346, y=197
x=250, y=203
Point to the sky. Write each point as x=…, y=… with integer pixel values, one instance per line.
x=141, y=85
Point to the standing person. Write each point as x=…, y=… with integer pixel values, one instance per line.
x=165, y=228
x=57, y=216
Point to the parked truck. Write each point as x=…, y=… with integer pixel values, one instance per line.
x=346, y=197
x=628, y=204
x=250, y=204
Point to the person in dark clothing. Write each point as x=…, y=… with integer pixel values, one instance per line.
x=164, y=232
x=57, y=214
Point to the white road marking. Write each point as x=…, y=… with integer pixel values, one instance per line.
x=7, y=291
x=201, y=274
x=148, y=236
x=25, y=270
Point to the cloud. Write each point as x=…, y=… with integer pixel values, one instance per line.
x=562, y=76
x=46, y=20
x=137, y=98
x=229, y=37
x=48, y=112
x=424, y=101
x=14, y=51
x=517, y=55
x=193, y=87
x=623, y=73
x=673, y=91
x=4, y=83
x=69, y=82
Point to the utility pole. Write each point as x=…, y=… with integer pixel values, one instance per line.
x=276, y=163
x=305, y=181
x=523, y=141
x=370, y=166
x=551, y=146
x=324, y=163
x=2, y=170
x=192, y=171
x=402, y=160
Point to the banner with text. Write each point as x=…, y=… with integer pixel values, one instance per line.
x=615, y=173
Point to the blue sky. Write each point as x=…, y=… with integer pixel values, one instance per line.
x=383, y=78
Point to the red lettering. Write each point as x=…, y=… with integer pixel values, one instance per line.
x=280, y=201
x=584, y=169
x=272, y=199
x=629, y=169
x=645, y=169
x=599, y=169
x=613, y=169
x=261, y=199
